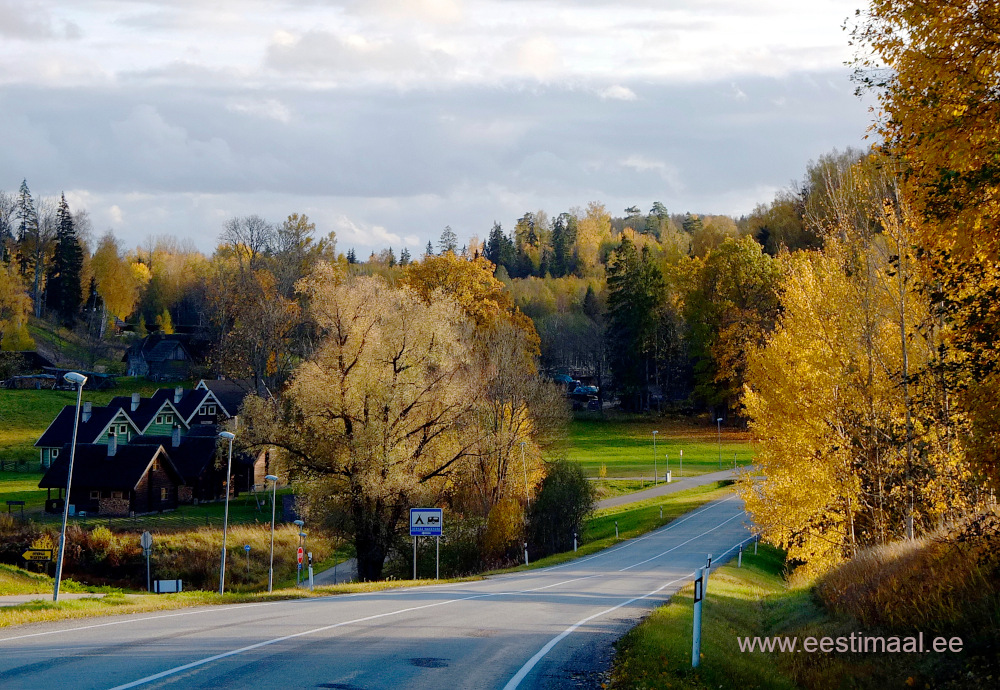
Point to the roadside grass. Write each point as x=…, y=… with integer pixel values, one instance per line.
x=740, y=602
x=121, y=603
x=624, y=445
x=610, y=488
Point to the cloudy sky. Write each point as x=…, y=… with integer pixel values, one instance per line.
x=385, y=120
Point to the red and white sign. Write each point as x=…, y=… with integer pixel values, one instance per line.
x=300, y=555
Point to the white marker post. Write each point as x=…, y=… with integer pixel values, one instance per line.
x=699, y=594
x=739, y=559
x=526, y=553
x=616, y=529
x=574, y=542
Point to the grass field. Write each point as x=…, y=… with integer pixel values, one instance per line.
x=624, y=445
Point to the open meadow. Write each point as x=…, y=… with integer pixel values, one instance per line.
x=623, y=445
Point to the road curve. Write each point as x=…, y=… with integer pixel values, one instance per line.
x=543, y=628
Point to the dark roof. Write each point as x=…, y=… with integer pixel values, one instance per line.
x=144, y=413
x=156, y=347
x=92, y=467
x=229, y=392
x=60, y=431
x=189, y=403
x=195, y=454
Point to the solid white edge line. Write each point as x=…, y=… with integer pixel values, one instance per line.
x=530, y=664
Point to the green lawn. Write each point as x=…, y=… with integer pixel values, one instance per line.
x=624, y=444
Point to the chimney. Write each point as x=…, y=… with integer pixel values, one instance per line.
x=135, y=402
x=175, y=436
x=178, y=394
x=112, y=445
x=88, y=408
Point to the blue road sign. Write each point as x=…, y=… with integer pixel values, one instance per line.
x=426, y=522
x=246, y=547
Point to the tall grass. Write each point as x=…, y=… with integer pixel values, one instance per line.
x=949, y=580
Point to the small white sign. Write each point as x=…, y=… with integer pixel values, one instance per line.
x=426, y=522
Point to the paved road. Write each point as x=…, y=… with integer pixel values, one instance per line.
x=545, y=628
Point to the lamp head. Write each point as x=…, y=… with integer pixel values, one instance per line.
x=302, y=534
x=229, y=436
x=300, y=523
x=75, y=378
x=270, y=478
x=719, y=419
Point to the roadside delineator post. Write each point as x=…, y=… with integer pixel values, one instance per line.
x=739, y=558
x=699, y=594
x=755, y=540
x=574, y=542
x=526, y=553
x=616, y=529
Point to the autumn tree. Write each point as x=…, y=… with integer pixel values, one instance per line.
x=15, y=305
x=934, y=68
x=119, y=280
x=375, y=419
x=844, y=397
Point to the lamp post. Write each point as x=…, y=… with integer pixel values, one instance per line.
x=79, y=380
x=654, y=456
x=524, y=466
x=298, y=569
x=274, y=495
x=225, y=518
x=718, y=423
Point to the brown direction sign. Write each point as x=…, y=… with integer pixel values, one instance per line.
x=37, y=555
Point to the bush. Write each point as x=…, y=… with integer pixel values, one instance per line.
x=504, y=532
x=565, y=499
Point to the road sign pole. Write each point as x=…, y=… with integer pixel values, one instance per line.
x=437, y=559
x=148, y=579
x=415, y=557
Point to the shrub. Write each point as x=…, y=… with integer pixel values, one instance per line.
x=564, y=500
x=504, y=532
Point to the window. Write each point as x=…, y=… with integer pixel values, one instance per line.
x=117, y=494
x=55, y=452
x=159, y=419
x=164, y=493
x=168, y=419
x=211, y=409
x=95, y=495
x=122, y=428
x=156, y=464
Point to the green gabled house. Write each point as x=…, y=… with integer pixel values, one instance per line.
x=97, y=424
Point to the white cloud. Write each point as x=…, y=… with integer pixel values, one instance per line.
x=270, y=109
x=116, y=215
x=618, y=93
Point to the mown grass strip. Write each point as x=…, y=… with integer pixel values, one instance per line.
x=741, y=602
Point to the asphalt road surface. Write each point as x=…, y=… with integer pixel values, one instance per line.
x=544, y=628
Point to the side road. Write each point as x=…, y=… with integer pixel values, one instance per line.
x=663, y=488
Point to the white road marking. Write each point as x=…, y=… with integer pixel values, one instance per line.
x=530, y=664
x=266, y=643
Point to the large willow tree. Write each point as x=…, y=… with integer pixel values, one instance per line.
x=376, y=419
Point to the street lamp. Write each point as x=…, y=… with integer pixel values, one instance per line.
x=654, y=456
x=78, y=380
x=524, y=466
x=718, y=423
x=225, y=519
x=274, y=496
x=298, y=570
